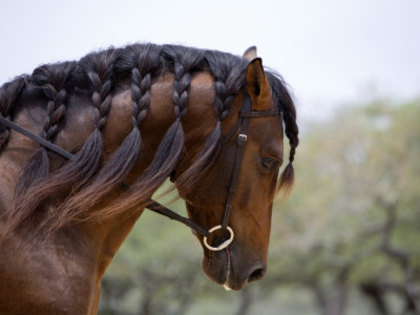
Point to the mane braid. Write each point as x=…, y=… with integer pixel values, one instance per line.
x=228, y=80
x=51, y=80
x=55, y=92
x=9, y=93
x=75, y=174
x=84, y=180
x=286, y=106
x=99, y=71
x=144, y=61
x=181, y=61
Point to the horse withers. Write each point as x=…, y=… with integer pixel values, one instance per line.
x=100, y=136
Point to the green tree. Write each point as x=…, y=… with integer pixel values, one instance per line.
x=353, y=219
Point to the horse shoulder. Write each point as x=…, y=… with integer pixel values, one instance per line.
x=56, y=276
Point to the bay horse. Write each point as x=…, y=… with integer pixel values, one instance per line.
x=84, y=145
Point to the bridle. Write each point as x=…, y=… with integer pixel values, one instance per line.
x=243, y=122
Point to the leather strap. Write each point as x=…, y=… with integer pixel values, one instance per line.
x=244, y=115
x=161, y=209
x=151, y=205
x=239, y=153
x=41, y=141
x=260, y=113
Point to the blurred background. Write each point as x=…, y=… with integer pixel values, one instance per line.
x=348, y=239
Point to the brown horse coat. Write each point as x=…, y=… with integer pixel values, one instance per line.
x=136, y=115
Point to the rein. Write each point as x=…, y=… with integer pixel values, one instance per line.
x=151, y=205
x=243, y=122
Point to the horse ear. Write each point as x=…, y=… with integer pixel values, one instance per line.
x=257, y=85
x=250, y=54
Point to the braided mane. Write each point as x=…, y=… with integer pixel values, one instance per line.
x=100, y=75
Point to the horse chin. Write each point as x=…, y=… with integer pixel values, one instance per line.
x=217, y=266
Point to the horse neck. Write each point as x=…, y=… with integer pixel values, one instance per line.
x=197, y=124
x=107, y=235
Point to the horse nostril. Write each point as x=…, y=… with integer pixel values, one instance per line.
x=256, y=274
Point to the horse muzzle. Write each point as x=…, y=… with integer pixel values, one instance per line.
x=232, y=270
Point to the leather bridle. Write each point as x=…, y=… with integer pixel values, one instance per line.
x=243, y=122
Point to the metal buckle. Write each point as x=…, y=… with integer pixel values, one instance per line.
x=242, y=139
x=224, y=244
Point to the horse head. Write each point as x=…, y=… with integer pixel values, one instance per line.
x=241, y=181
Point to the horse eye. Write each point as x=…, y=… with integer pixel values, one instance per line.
x=269, y=164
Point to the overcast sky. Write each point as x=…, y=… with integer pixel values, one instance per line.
x=330, y=51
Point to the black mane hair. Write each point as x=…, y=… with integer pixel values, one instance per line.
x=101, y=75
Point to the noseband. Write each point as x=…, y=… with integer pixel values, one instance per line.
x=243, y=122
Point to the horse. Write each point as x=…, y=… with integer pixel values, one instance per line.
x=100, y=135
